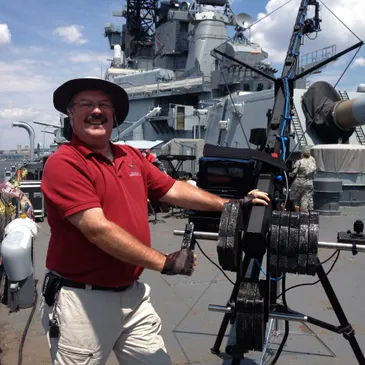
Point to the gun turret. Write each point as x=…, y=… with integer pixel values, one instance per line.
x=348, y=114
x=330, y=117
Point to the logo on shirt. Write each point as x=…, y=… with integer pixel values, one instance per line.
x=133, y=172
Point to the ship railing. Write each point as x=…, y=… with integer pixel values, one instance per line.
x=169, y=86
x=7, y=213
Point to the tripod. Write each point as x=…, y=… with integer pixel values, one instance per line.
x=275, y=329
x=280, y=312
x=155, y=220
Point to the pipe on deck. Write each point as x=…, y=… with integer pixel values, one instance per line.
x=31, y=133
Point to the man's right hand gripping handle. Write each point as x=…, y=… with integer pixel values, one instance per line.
x=179, y=263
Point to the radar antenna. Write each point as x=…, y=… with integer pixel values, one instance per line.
x=242, y=22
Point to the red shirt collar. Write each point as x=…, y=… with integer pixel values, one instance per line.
x=85, y=151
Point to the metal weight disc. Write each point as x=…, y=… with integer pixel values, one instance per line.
x=313, y=235
x=283, y=242
x=259, y=317
x=293, y=243
x=303, y=243
x=229, y=235
x=274, y=241
x=245, y=317
x=250, y=314
x=235, y=227
x=222, y=236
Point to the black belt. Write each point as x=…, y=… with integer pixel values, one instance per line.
x=76, y=285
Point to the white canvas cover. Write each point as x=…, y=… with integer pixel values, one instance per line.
x=339, y=158
x=141, y=144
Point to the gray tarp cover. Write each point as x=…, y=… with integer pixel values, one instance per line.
x=318, y=103
x=339, y=158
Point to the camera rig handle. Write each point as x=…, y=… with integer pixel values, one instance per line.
x=188, y=240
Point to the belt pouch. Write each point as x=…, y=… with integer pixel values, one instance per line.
x=51, y=285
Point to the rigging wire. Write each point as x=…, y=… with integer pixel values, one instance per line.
x=341, y=76
x=339, y=20
x=239, y=115
x=323, y=104
x=267, y=15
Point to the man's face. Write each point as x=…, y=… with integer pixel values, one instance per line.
x=92, y=114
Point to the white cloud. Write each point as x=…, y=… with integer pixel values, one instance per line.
x=18, y=113
x=84, y=57
x=273, y=33
x=27, y=51
x=359, y=62
x=22, y=76
x=71, y=34
x=27, y=86
x=5, y=35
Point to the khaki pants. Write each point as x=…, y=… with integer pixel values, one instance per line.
x=94, y=323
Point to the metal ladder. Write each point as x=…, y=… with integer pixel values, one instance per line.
x=360, y=135
x=298, y=129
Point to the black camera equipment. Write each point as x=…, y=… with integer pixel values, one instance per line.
x=288, y=239
x=291, y=247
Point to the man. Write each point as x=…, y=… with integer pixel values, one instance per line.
x=150, y=157
x=302, y=187
x=96, y=195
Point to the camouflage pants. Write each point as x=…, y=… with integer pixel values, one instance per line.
x=303, y=197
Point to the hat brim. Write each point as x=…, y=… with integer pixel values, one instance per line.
x=66, y=92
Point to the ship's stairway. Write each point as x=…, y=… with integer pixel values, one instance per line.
x=360, y=135
x=298, y=129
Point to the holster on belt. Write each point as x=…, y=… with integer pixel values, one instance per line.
x=51, y=285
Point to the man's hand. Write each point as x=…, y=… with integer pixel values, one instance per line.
x=259, y=197
x=254, y=197
x=180, y=263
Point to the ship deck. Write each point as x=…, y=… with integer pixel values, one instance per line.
x=189, y=329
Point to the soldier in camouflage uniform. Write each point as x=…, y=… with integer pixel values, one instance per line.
x=302, y=188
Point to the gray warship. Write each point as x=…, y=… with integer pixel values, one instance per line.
x=168, y=57
x=163, y=58
x=189, y=328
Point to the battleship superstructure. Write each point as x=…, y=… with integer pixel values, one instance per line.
x=165, y=56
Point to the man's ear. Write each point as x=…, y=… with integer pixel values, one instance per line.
x=70, y=117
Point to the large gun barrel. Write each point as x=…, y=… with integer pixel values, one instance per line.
x=349, y=114
x=330, y=117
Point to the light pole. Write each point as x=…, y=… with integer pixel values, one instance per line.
x=45, y=129
x=44, y=136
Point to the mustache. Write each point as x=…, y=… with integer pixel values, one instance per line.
x=102, y=117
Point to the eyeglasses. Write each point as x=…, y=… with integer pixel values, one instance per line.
x=88, y=105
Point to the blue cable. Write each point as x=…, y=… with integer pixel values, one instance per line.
x=287, y=116
x=263, y=271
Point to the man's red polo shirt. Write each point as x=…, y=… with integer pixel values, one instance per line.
x=76, y=179
x=151, y=158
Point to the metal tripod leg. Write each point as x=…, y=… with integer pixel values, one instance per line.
x=267, y=341
x=316, y=337
x=276, y=329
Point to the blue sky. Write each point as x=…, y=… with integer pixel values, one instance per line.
x=44, y=43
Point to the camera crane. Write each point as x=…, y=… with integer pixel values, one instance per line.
x=290, y=239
